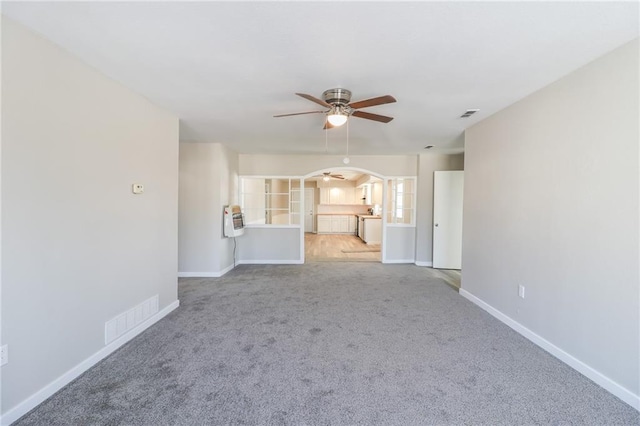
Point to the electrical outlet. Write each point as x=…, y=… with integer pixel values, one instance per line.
x=137, y=188
x=4, y=354
x=521, y=291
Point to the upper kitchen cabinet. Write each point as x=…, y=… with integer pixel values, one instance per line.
x=376, y=192
x=338, y=195
x=365, y=193
x=369, y=190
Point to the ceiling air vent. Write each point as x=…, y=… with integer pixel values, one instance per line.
x=469, y=113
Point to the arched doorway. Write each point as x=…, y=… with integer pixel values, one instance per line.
x=342, y=215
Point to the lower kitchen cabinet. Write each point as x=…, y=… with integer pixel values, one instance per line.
x=352, y=224
x=339, y=224
x=372, y=232
x=324, y=224
x=336, y=224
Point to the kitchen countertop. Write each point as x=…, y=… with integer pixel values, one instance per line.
x=369, y=216
x=337, y=214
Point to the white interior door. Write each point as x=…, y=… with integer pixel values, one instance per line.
x=447, y=219
x=309, y=203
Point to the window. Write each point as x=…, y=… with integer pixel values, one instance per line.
x=401, y=201
x=270, y=201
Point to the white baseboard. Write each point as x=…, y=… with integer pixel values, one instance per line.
x=398, y=261
x=37, y=398
x=270, y=262
x=198, y=275
x=205, y=274
x=421, y=263
x=599, y=378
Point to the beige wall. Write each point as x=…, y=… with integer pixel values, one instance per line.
x=199, y=199
x=79, y=247
x=208, y=182
x=551, y=203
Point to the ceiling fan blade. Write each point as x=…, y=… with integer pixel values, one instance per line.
x=327, y=125
x=331, y=175
x=313, y=99
x=380, y=100
x=374, y=117
x=299, y=113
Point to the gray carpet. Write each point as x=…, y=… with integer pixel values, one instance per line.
x=329, y=344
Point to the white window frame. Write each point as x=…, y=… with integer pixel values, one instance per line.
x=392, y=201
x=289, y=212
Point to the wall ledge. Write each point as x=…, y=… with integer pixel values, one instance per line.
x=271, y=262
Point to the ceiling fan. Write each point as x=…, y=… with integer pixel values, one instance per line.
x=340, y=107
x=326, y=176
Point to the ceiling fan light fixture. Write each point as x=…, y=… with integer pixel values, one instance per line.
x=336, y=119
x=326, y=178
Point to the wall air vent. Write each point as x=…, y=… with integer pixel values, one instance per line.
x=469, y=113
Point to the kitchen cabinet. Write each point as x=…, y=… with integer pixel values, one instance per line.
x=376, y=193
x=339, y=224
x=336, y=224
x=370, y=229
x=324, y=195
x=324, y=224
x=338, y=195
x=372, y=233
x=366, y=194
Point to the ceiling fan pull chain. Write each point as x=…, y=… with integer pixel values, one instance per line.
x=326, y=138
x=347, y=139
x=346, y=159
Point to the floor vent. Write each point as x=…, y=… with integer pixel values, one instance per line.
x=469, y=113
x=124, y=322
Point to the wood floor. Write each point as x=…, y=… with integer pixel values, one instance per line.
x=349, y=248
x=339, y=248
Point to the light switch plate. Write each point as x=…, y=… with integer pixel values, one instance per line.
x=137, y=188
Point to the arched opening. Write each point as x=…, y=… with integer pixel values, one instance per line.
x=342, y=215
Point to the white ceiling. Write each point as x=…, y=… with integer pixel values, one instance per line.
x=225, y=68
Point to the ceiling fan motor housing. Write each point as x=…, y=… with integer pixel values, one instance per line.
x=337, y=96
